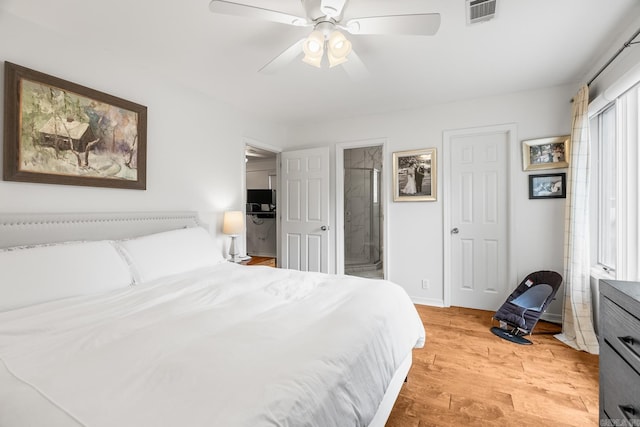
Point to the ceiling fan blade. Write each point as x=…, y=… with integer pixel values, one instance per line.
x=332, y=8
x=238, y=9
x=355, y=68
x=424, y=24
x=286, y=57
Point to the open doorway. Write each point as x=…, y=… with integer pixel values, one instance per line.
x=261, y=167
x=361, y=210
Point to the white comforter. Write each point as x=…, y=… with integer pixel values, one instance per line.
x=226, y=346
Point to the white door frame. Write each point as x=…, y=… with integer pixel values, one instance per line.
x=512, y=147
x=254, y=143
x=339, y=202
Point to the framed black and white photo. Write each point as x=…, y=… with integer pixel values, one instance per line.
x=548, y=186
x=546, y=153
x=415, y=175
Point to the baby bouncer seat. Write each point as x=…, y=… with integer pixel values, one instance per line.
x=522, y=310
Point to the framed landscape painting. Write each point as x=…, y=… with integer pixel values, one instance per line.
x=58, y=132
x=415, y=176
x=546, y=153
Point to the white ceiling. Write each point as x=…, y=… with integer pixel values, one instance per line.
x=530, y=44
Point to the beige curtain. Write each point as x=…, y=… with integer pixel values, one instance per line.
x=577, y=316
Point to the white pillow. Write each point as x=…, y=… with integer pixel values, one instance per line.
x=171, y=252
x=32, y=275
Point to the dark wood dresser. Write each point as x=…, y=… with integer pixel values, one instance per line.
x=619, y=353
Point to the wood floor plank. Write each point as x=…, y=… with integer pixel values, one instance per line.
x=261, y=260
x=466, y=376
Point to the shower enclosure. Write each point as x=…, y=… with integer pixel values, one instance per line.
x=362, y=222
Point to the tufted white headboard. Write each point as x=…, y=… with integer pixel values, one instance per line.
x=18, y=229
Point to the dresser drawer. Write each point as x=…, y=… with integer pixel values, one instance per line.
x=622, y=331
x=620, y=387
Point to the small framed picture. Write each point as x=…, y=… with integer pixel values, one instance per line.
x=415, y=176
x=546, y=153
x=548, y=186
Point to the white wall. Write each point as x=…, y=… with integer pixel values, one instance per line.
x=191, y=165
x=628, y=59
x=195, y=145
x=259, y=171
x=415, y=242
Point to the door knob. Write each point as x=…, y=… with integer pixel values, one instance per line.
x=455, y=230
x=324, y=228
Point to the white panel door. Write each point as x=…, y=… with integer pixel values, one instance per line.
x=479, y=220
x=305, y=209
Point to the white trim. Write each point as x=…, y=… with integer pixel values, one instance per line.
x=598, y=272
x=620, y=86
x=339, y=202
x=550, y=317
x=511, y=130
x=243, y=180
x=261, y=145
x=433, y=302
x=628, y=186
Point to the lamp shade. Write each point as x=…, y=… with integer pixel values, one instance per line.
x=333, y=60
x=313, y=48
x=233, y=222
x=339, y=48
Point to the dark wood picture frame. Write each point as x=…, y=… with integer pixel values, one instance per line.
x=548, y=186
x=59, y=132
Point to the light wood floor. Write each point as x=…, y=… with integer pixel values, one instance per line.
x=466, y=376
x=261, y=260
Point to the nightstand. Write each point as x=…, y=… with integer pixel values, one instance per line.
x=619, y=353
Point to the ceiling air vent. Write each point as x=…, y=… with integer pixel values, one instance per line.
x=480, y=10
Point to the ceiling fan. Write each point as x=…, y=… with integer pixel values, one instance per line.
x=327, y=19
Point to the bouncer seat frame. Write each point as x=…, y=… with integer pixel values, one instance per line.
x=522, y=309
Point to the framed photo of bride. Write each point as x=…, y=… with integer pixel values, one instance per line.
x=415, y=176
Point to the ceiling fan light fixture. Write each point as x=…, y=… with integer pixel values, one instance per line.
x=316, y=61
x=313, y=48
x=325, y=16
x=339, y=46
x=336, y=60
x=314, y=44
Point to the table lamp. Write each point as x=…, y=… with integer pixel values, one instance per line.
x=233, y=225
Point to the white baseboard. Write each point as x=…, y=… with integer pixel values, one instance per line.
x=552, y=317
x=434, y=302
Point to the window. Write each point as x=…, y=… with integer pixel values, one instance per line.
x=606, y=140
x=616, y=137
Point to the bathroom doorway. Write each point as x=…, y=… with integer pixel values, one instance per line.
x=363, y=211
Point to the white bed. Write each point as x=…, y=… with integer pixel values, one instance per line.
x=195, y=340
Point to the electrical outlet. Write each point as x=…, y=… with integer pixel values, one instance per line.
x=425, y=284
